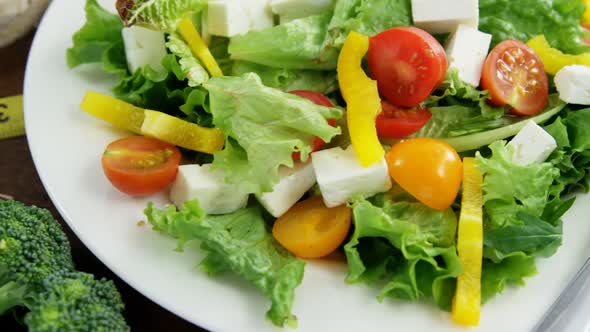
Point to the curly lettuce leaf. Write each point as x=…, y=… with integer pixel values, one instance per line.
x=239, y=242
x=510, y=189
x=558, y=20
x=406, y=244
x=162, y=15
x=522, y=212
x=263, y=127
x=99, y=41
x=324, y=82
x=192, y=68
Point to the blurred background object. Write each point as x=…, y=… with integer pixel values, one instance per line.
x=17, y=17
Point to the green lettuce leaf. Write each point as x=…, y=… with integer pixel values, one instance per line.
x=166, y=92
x=324, y=82
x=478, y=139
x=239, y=242
x=510, y=189
x=368, y=17
x=572, y=133
x=522, y=212
x=511, y=270
x=314, y=42
x=558, y=20
x=162, y=15
x=263, y=127
x=99, y=41
x=533, y=236
x=192, y=68
x=298, y=44
x=453, y=91
x=406, y=244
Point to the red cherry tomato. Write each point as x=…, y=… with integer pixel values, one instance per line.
x=396, y=122
x=429, y=169
x=318, y=99
x=515, y=76
x=407, y=63
x=139, y=165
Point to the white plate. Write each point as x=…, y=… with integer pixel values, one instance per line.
x=66, y=145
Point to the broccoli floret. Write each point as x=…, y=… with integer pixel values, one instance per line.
x=76, y=301
x=32, y=246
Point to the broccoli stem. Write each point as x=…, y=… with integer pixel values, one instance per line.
x=11, y=295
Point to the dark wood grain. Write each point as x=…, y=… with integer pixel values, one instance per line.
x=19, y=179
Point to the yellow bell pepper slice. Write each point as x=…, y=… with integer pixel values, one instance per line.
x=554, y=59
x=152, y=123
x=200, y=50
x=117, y=112
x=585, y=20
x=467, y=300
x=182, y=133
x=362, y=99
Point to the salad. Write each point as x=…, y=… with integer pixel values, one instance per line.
x=436, y=144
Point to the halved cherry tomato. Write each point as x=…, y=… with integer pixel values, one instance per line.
x=408, y=64
x=429, y=169
x=318, y=99
x=311, y=230
x=396, y=122
x=139, y=165
x=515, y=76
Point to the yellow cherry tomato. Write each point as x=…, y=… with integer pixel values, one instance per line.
x=429, y=169
x=311, y=230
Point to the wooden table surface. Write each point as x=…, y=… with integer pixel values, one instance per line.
x=19, y=179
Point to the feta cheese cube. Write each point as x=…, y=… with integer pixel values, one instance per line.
x=144, y=47
x=441, y=16
x=228, y=18
x=341, y=176
x=532, y=144
x=293, y=184
x=293, y=9
x=573, y=84
x=467, y=50
x=207, y=186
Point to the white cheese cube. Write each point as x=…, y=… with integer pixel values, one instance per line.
x=573, y=84
x=341, y=176
x=207, y=186
x=293, y=184
x=467, y=50
x=441, y=16
x=294, y=9
x=144, y=47
x=228, y=18
x=532, y=144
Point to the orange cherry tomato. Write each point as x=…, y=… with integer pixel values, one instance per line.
x=139, y=165
x=515, y=76
x=311, y=230
x=429, y=169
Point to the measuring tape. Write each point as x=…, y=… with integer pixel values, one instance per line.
x=12, y=122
